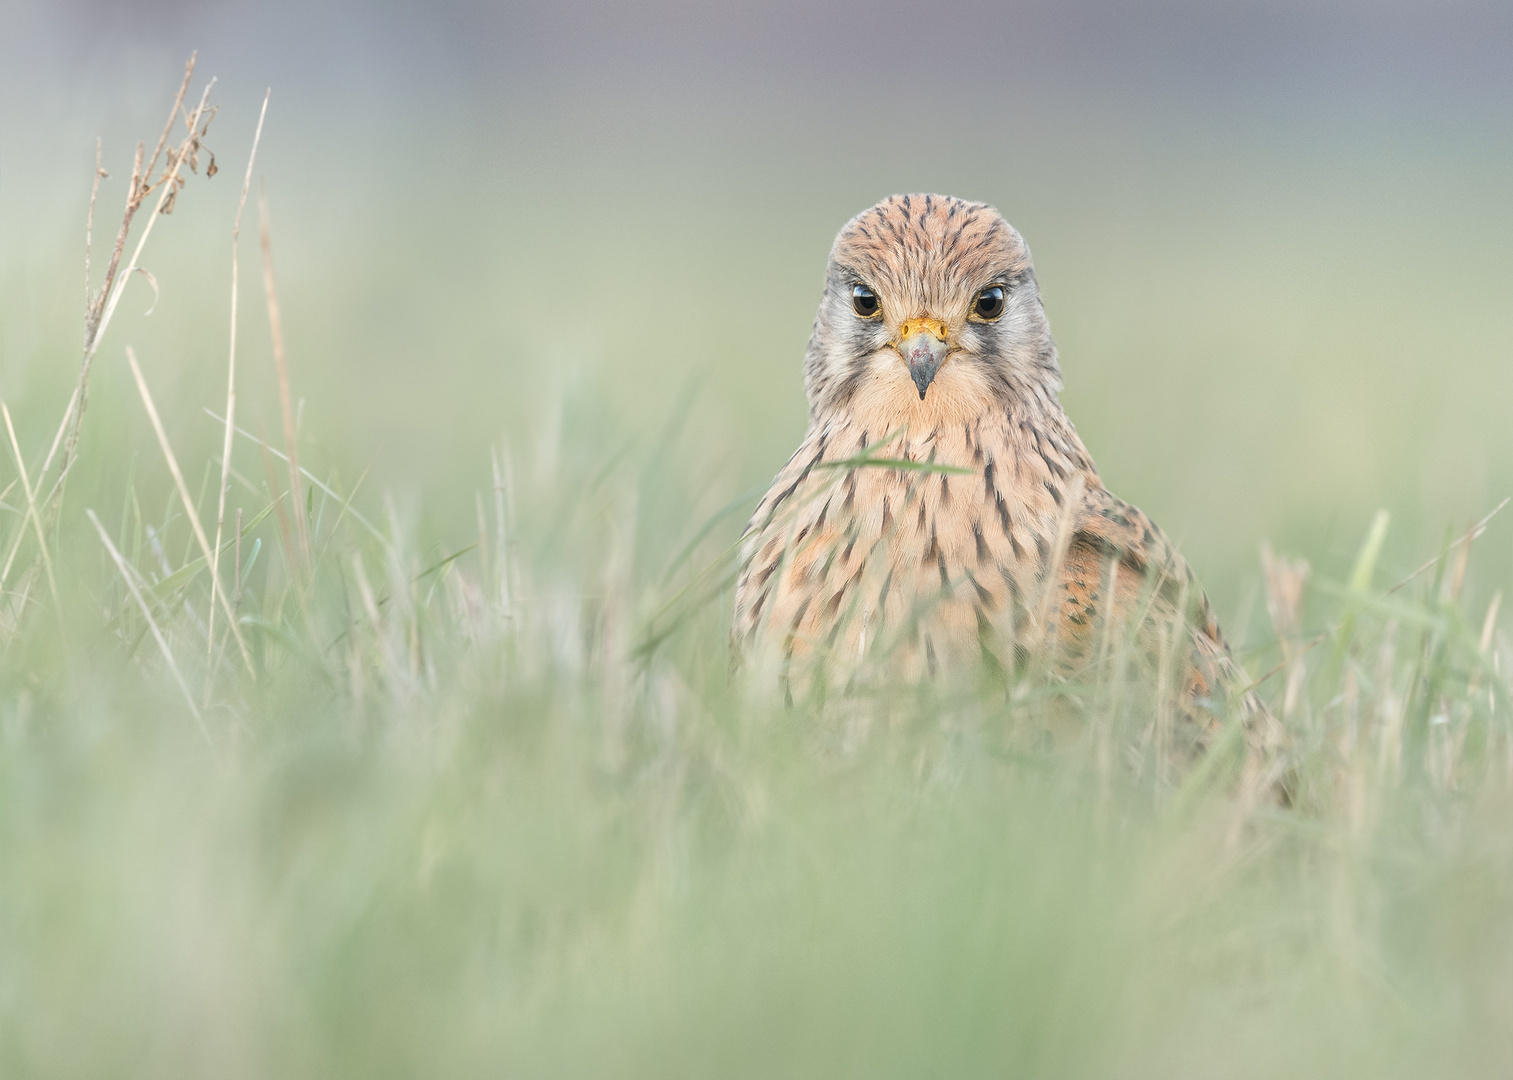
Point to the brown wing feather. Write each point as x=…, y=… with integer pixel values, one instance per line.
x=1121, y=575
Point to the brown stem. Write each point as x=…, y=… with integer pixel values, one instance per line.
x=276, y=327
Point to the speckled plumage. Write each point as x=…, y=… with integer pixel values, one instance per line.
x=1020, y=553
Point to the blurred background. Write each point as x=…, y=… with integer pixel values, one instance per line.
x=1275, y=240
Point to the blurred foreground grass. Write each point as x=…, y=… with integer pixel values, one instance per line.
x=453, y=818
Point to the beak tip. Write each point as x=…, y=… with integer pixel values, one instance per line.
x=923, y=353
x=923, y=375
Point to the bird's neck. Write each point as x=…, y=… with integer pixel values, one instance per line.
x=1003, y=427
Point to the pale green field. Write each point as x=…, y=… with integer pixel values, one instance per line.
x=453, y=818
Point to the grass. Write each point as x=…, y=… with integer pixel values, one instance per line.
x=490, y=804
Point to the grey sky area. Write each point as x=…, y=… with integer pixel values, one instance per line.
x=685, y=81
x=856, y=55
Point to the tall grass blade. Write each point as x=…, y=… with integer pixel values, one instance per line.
x=218, y=594
x=152, y=624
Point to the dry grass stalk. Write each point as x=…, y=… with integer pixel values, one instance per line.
x=89, y=228
x=1489, y=625
x=31, y=507
x=10, y=558
x=276, y=496
x=236, y=589
x=1484, y=649
x=217, y=593
x=152, y=624
x=276, y=327
x=345, y=500
x=399, y=680
x=1285, y=581
x=483, y=533
x=1458, y=572
x=220, y=512
x=1465, y=538
x=100, y=306
x=103, y=307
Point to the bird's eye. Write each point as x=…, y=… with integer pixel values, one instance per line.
x=864, y=302
x=989, y=303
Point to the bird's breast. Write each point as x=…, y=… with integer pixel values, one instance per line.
x=851, y=554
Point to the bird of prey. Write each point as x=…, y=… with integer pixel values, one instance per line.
x=942, y=513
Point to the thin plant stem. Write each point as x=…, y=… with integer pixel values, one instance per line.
x=220, y=511
x=31, y=507
x=280, y=363
x=115, y=284
x=151, y=622
x=218, y=594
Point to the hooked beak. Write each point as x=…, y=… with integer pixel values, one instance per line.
x=922, y=344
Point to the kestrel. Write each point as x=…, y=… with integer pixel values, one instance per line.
x=941, y=513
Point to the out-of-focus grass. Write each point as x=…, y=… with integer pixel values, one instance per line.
x=1261, y=337
x=455, y=822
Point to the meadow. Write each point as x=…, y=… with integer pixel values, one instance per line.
x=338, y=741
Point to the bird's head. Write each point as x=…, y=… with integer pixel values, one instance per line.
x=930, y=314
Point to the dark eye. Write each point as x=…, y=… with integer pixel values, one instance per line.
x=864, y=301
x=989, y=303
